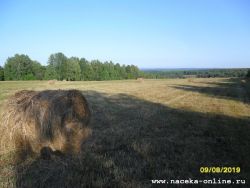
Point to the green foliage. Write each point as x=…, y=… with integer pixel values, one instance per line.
x=38, y=70
x=50, y=73
x=248, y=73
x=132, y=71
x=58, y=62
x=60, y=67
x=29, y=76
x=1, y=73
x=87, y=71
x=72, y=70
x=21, y=67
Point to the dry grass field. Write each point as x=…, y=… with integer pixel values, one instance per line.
x=155, y=129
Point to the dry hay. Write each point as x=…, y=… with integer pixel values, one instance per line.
x=140, y=79
x=34, y=120
x=51, y=82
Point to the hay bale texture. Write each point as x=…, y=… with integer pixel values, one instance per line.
x=34, y=120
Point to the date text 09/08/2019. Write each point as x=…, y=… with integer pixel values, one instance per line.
x=224, y=170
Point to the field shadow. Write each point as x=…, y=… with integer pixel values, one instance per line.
x=135, y=140
x=234, y=89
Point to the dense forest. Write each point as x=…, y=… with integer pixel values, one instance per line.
x=60, y=67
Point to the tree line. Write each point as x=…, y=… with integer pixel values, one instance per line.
x=201, y=73
x=60, y=67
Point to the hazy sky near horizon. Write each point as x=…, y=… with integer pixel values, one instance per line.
x=159, y=33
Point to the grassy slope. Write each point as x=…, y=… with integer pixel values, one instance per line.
x=154, y=129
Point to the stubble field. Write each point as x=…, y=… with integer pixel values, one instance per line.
x=144, y=130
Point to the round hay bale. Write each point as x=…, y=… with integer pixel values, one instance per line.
x=51, y=82
x=34, y=120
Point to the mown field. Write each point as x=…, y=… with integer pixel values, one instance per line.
x=144, y=130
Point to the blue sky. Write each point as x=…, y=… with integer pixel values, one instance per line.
x=162, y=34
